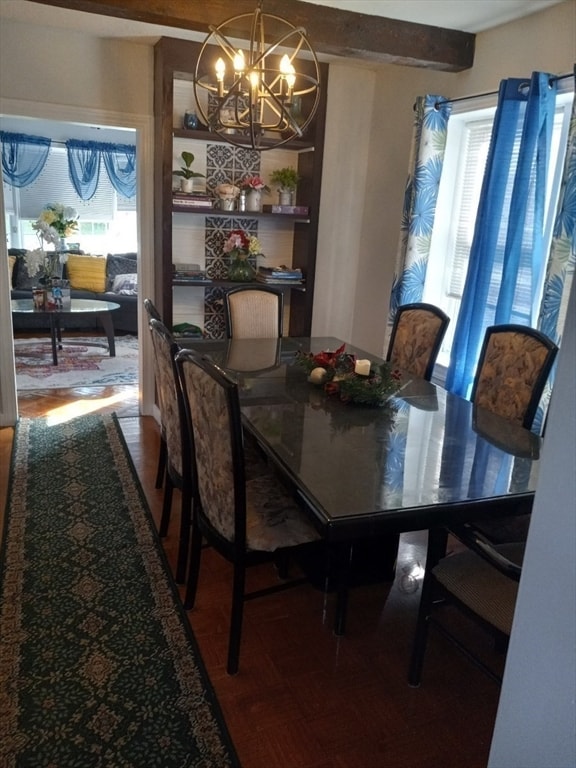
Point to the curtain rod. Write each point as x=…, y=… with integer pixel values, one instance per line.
x=494, y=93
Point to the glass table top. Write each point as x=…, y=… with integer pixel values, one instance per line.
x=26, y=306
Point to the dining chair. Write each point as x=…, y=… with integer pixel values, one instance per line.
x=153, y=314
x=481, y=579
x=513, y=367
x=180, y=471
x=416, y=338
x=245, y=513
x=254, y=312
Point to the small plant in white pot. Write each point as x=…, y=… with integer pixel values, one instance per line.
x=187, y=175
x=286, y=179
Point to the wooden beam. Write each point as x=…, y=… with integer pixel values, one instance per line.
x=332, y=31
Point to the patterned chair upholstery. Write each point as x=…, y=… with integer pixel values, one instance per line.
x=416, y=337
x=245, y=513
x=513, y=367
x=179, y=456
x=254, y=312
x=153, y=314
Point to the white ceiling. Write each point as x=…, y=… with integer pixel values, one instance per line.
x=463, y=15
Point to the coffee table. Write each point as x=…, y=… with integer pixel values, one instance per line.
x=101, y=309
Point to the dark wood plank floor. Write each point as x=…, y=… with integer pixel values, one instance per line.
x=304, y=698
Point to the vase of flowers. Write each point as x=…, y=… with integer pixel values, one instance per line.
x=240, y=246
x=254, y=187
x=55, y=223
x=287, y=180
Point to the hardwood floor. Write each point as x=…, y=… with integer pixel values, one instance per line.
x=304, y=698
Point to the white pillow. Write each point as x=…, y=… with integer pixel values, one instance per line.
x=126, y=285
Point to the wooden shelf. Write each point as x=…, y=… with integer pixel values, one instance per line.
x=235, y=284
x=201, y=135
x=240, y=214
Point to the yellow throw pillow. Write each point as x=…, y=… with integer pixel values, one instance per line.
x=11, y=262
x=87, y=273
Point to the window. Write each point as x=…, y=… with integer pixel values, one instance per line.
x=467, y=145
x=107, y=223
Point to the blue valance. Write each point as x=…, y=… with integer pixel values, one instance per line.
x=23, y=157
x=84, y=163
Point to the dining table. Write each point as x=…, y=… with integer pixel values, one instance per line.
x=425, y=458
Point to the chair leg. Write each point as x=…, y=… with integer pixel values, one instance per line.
x=161, y=471
x=421, y=633
x=437, y=539
x=184, y=543
x=166, y=506
x=236, y=618
x=194, y=570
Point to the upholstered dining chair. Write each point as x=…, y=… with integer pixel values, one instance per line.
x=513, y=366
x=153, y=314
x=179, y=447
x=416, y=337
x=481, y=579
x=254, y=312
x=244, y=513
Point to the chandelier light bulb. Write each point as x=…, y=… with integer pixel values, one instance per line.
x=239, y=62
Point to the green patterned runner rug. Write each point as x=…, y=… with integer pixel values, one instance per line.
x=98, y=667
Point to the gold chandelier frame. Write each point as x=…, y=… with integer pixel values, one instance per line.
x=265, y=96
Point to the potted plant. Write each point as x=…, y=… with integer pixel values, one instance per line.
x=187, y=175
x=286, y=179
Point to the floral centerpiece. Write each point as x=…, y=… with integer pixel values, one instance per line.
x=240, y=246
x=56, y=221
x=353, y=381
x=45, y=265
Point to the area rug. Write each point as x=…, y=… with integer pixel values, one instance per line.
x=83, y=363
x=99, y=668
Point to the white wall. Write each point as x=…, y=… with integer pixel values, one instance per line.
x=536, y=721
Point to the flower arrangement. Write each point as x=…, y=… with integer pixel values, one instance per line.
x=254, y=182
x=354, y=381
x=241, y=245
x=44, y=264
x=55, y=222
x=227, y=191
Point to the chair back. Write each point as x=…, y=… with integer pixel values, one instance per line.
x=254, y=312
x=513, y=367
x=151, y=310
x=170, y=399
x=416, y=337
x=213, y=411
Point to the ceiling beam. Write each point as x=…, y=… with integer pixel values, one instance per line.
x=332, y=31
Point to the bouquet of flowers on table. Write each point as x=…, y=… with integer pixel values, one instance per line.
x=354, y=381
x=55, y=222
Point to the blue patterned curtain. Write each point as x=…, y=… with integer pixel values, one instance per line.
x=84, y=167
x=23, y=157
x=507, y=254
x=120, y=162
x=426, y=161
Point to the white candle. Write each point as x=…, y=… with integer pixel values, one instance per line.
x=362, y=367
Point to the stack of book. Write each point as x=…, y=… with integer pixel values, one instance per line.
x=193, y=201
x=188, y=272
x=281, y=275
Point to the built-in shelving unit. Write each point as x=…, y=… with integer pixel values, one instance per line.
x=174, y=63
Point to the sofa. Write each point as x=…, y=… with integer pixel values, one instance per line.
x=110, y=278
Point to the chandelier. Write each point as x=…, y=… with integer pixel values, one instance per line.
x=258, y=90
